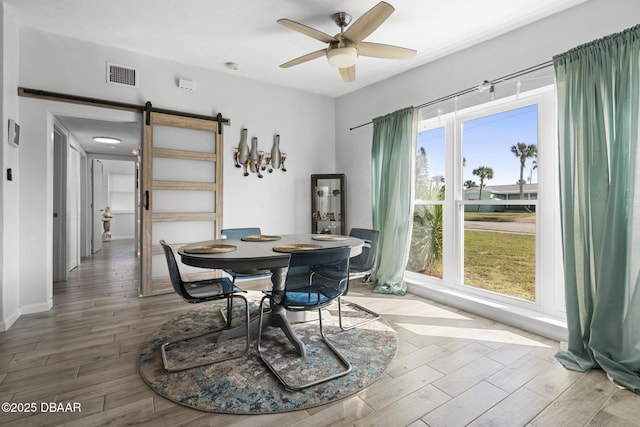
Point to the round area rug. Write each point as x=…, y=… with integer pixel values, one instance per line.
x=245, y=385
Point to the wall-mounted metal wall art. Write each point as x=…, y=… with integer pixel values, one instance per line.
x=253, y=160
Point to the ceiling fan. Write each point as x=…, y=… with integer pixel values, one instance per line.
x=345, y=47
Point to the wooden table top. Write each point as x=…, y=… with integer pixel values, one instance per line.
x=260, y=254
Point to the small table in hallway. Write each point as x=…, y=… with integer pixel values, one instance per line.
x=260, y=255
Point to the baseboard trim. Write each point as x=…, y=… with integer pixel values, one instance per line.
x=5, y=324
x=36, y=308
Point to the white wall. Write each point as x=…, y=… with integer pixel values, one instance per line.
x=512, y=52
x=9, y=155
x=278, y=203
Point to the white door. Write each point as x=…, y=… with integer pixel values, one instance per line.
x=73, y=208
x=98, y=203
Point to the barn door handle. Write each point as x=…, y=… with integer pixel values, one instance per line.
x=146, y=200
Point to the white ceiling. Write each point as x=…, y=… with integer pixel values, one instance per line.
x=209, y=33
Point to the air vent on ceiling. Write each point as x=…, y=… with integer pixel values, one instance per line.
x=119, y=74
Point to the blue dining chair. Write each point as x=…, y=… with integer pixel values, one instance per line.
x=238, y=233
x=203, y=291
x=361, y=266
x=315, y=278
x=364, y=265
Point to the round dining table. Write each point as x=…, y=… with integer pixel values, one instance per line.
x=262, y=252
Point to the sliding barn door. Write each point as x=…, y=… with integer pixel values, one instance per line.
x=181, y=192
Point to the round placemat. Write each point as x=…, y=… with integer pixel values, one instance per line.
x=296, y=247
x=210, y=249
x=329, y=237
x=260, y=238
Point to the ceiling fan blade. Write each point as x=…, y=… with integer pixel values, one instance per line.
x=368, y=22
x=348, y=74
x=305, y=58
x=308, y=31
x=379, y=50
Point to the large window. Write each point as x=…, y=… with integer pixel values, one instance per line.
x=486, y=202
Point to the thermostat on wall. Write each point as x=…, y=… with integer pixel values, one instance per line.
x=14, y=133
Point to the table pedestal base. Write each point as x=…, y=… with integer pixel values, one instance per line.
x=276, y=318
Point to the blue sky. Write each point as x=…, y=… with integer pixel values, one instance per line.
x=487, y=141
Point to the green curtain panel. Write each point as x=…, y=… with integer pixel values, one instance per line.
x=598, y=97
x=391, y=186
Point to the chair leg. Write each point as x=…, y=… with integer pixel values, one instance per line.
x=375, y=316
x=281, y=378
x=260, y=319
x=226, y=315
x=223, y=313
x=164, y=347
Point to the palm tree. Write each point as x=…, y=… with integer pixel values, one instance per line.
x=482, y=172
x=426, y=240
x=470, y=184
x=422, y=174
x=534, y=166
x=523, y=152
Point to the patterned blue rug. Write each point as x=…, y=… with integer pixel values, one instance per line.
x=245, y=385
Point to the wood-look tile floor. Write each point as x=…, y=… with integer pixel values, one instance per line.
x=452, y=368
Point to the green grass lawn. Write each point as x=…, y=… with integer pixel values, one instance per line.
x=501, y=262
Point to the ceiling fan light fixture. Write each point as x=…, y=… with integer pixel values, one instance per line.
x=343, y=49
x=106, y=140
x=342, y=57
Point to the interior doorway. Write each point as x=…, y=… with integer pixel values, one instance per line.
x=82, y=184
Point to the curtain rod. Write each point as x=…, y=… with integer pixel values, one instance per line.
x=75, y=99
x=531, y=69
